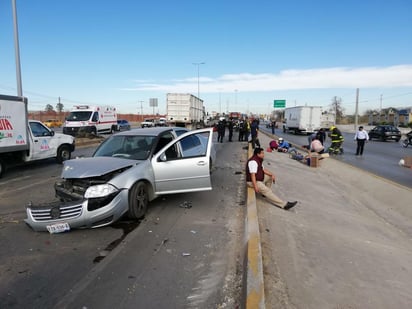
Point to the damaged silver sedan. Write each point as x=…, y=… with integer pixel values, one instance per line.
x=125, y=173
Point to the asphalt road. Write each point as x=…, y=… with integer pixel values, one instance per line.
x=176, y=257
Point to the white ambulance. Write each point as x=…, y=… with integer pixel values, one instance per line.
x=90, y=119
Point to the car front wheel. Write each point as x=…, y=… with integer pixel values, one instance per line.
x=138, y=200
x=63, y=154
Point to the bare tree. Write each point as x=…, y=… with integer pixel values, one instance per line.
x=371, y=112
x=337, y=108
x=59, y=107
x=49, y=108
x=278, y=114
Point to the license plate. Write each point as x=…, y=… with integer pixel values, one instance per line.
x=58, y=228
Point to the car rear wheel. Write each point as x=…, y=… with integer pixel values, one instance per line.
x=2, y=168
x=138, y=200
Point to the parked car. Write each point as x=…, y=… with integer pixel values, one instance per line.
x=123, y=125
x=385, y=133
x=162, y=122
x=127, y=171
x=53, y=123
x=148, y=123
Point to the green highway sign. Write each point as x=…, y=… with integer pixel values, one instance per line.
x=279, y=103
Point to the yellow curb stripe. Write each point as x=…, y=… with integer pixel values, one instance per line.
x=255, y=294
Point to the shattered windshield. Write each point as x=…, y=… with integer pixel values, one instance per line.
x=129, y=147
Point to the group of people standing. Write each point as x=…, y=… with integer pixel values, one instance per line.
x=248, y=131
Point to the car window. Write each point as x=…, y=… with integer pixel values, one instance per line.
x=38, y=130
x=180, y=131
x=189, y=147
x=189, y=143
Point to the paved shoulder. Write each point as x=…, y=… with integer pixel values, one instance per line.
x=346, y=244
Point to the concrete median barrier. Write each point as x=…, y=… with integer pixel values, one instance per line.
x=255, y=294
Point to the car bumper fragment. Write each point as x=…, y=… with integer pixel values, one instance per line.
x=75, y=213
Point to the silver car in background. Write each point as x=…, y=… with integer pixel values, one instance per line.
x=126, y=172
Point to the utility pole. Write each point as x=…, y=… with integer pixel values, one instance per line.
x=220, y=101
x=141, y=108
x=356, y=109
x=380, y=109
x=198, y=77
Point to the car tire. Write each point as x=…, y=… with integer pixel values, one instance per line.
x=138, y=200
x=63, y=154
x=93, y=131
x=2, y=168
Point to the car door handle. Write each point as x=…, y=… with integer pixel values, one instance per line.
x=202, y=163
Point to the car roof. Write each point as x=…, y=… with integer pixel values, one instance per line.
x=386, y=126
x=148, y=131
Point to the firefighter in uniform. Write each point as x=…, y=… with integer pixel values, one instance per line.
x=337, y=140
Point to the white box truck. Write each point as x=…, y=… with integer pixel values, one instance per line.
x=185, y=110
x=302, y=119
x=23, y=140
x=86, y=119
x=327, y=120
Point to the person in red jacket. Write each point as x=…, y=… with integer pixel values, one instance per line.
x=261, y=179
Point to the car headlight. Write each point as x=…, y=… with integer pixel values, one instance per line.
x=100, y=191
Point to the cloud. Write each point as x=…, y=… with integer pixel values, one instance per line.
x=293, y=79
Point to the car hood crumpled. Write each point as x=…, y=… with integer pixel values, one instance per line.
x=93, y=167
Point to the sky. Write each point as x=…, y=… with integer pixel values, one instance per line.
x=236, y=55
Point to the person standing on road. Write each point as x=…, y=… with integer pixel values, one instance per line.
x=254, y=129
x=273, y=126
x=221, y=128
x=230, y=127
x=321, y=135
x=247, y=130
x=361, y=137
x=261, y=179
x=241, y=130
x=337, y=141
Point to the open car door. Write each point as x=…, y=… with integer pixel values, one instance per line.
x=183, y=165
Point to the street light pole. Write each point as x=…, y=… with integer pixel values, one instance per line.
x=220, y=101
x=17, y=50
x=198, y=77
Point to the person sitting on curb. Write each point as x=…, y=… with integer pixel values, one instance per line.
x=283, y=145
x=261, y=179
